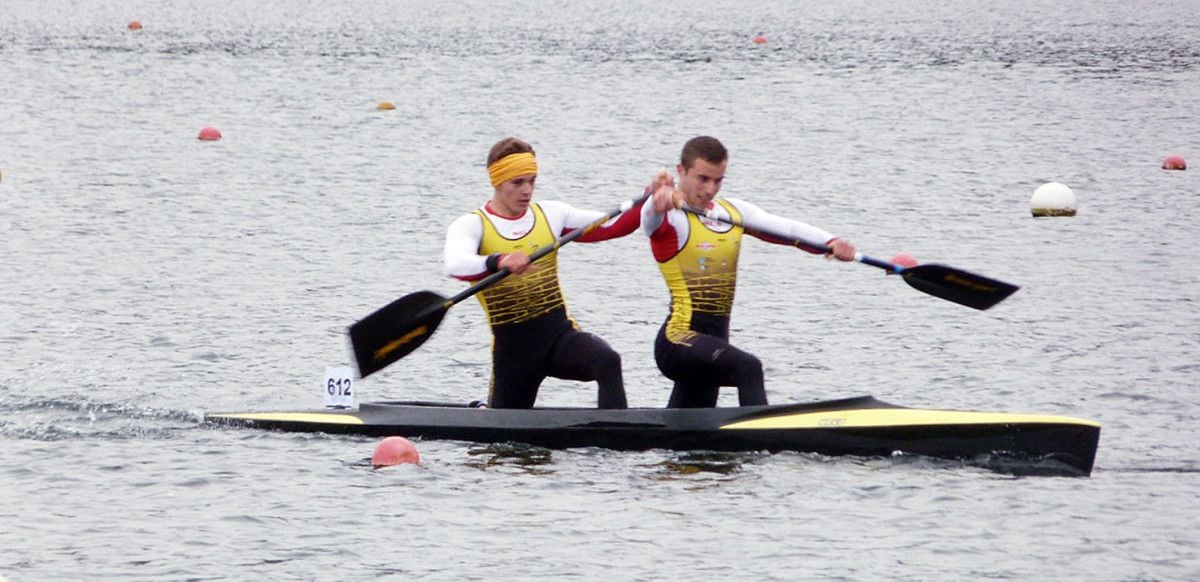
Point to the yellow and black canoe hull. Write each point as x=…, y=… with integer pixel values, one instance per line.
x=861, y=426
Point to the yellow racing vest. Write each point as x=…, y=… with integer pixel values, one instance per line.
x=702, y=276
x=524, y=297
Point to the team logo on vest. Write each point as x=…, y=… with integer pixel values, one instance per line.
x=706, y=246
x=715, y=225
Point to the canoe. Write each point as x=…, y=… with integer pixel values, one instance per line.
x=862, y=426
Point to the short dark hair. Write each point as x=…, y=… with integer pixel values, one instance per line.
x=507, y=147
x=705, y=147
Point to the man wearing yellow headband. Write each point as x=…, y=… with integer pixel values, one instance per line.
x=533, y=336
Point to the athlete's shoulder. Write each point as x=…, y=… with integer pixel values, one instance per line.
x=559, y=214
x=669, y=223
x=553, y=206
x=471, y=221
x=744, y=207
x=738, y=203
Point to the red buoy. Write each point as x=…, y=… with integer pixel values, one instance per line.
x=395, y=451
x=210, y=134
x=135, y=25
x=1174, y=163
x=760, y=39
x=904, y=260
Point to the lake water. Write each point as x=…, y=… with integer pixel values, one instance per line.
x=151, y=277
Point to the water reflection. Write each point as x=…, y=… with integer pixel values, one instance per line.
x=1002, y=464
x=693, y=463
x=527, y=458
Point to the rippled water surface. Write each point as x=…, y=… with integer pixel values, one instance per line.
x=151, y=277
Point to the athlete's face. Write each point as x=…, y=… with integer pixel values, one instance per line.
x=513, y=197
x=701, y=182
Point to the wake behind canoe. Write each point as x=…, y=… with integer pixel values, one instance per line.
x=860, y=426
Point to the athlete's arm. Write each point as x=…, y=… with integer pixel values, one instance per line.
x=572, y=218
x=651, y=219
x=664, y=197
x=668, y=231
x=461, y=253
x=757, y=220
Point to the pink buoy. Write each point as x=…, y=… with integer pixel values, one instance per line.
x=395, y=451
x=210, y=134
x=904, y=260
x=1174, y=163
x=760, y=39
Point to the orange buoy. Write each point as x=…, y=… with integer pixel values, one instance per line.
x=760, y=39
x=386, y=106
x=395, y=451
x=209, y=133
x=904, y=260
x=134, y=25
x=1174, y=163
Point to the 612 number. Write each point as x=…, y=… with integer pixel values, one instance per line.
x=339, y=387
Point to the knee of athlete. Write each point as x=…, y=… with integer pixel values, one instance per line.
x=750, y=364
x=609, y=359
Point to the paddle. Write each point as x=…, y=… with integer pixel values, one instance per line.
x=961, y=287
x=403, y=325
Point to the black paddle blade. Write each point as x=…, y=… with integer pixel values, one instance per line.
x=395, y=330
x=957, y=285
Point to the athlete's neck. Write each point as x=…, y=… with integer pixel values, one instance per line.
x=492, y=208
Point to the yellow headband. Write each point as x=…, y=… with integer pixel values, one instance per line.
x=510, y=167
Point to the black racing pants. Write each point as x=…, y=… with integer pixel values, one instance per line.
x=524, y=354
x=704, y=362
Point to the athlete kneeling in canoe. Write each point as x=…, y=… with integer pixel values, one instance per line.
x=533, y=336
x=698, y=259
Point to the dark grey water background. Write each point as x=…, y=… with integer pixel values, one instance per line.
x=150, y=277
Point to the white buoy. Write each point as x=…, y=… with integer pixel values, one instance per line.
x=1053, y=199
